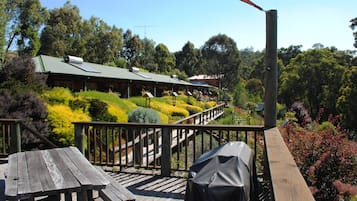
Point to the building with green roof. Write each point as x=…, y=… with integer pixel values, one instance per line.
x=73, y=73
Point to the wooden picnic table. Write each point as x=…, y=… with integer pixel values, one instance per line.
x=52, y=172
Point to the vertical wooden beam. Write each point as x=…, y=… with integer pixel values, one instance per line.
x=78, y=137
x=166, y=152
x=271, y=73
x=15, y=137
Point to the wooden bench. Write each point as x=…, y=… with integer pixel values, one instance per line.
x=114, y=191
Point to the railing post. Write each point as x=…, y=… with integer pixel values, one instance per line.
x=78, y=137
x=15, y=138
x=166, y=152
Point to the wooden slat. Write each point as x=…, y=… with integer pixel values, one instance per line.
x=114, y=190
x=81, y=178
x=38, y=173
x=86, y=168
x=12, y=178
x=288, y=183
x=24, y=184
x=59, y=171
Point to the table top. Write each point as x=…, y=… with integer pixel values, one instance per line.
x=45, y=172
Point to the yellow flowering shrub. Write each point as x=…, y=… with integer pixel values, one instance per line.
x=118, y=113
x=61, y=118
x=210, y=104
x=58, y=95
x=164, y=119
x=169, y=109
x=191, y=108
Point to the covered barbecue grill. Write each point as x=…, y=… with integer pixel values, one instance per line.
x=222, y=174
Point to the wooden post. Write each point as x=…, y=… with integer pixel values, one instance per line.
x=271, y=71
x=78, y=137
x=15, y=137
x=166, y=152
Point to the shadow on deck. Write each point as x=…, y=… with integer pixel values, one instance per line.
x=152, y=187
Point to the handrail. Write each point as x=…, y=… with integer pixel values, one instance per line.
x=287, y=182
x=10, y=135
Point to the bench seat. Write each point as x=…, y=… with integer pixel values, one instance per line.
x=114, y=191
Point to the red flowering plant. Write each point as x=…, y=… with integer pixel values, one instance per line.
x=326, y=159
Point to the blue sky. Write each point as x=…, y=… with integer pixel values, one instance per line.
x=174, y=22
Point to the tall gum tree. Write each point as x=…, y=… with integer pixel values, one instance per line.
x=222, y=59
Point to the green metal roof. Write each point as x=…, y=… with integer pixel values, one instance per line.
x=48, y=64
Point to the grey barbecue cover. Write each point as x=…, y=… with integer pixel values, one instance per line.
x=222, y=174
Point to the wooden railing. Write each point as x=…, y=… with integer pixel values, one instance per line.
x=204, y=117
x=10, y=136
x=157, y=146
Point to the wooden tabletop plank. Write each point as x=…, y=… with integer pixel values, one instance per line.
x=81, y=178
x=12, y=177
x=23, y=183
x=97, y=180
x=39, y=175
x=59, y=171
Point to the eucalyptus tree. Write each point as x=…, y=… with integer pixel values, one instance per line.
x=353, y=25
x=314, y=78
x=2, y=29
x=62, y=33
x=346, y=103
x=188, y=59
x=24, y=19
x=102, y=42
x=222, y=59
x=147, y=56
x=132, y=48
x=165, y=60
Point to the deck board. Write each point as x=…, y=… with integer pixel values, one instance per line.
x=152, y=187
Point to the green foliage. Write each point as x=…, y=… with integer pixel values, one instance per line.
x=346, y=103
x=222, y=58
x=313, y=77
x=144, y=115
x=118, y=113
x=188, y=59
x=164, y=59
x=58, y=95
x=139, y=101
x=99, y=111
x=61, y=117
x=3, y=19
x=240, y=95
x=353, y=25
x=62, y=33
x=126, y=105
x=24, y=21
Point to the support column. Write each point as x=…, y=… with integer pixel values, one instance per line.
x=271, y=71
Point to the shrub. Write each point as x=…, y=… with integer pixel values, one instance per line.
x=61, y=118
x=169, y=109
x=324, y=158
x=124, y=104
x=118, y=113
x=26, y=106
x=144, y=115
x=191, y=108
x=139, y=101
x=164, y=119
x=99, y=111
x=58, y=95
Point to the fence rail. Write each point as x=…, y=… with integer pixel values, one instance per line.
x=10, y=136
x=159, y=146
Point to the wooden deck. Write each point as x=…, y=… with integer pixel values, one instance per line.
x=152, y=187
